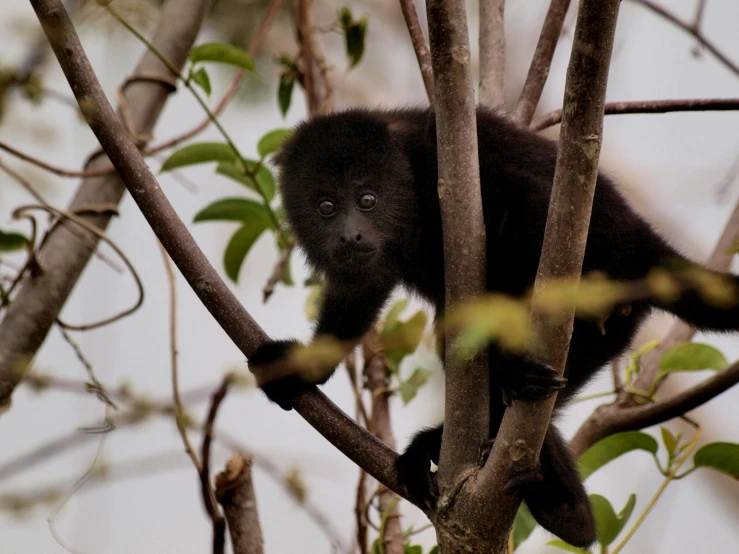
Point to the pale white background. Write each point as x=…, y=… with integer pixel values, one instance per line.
x=669, y=166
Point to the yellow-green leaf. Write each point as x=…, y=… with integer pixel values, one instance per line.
x=199, y=153
x=201, y=78
x=403, y=338
x=559, y=543
x=285, y=92
x=610, y=448
x=721, y=456
x=234, y=209
x=263, y=177
x=272, y=141
x=523, y=525
x=409, y=388
x=11, y=241
x=692, y=356
x=393, y=313
x=608, y=523
x=222, y=53
x=239, y=245
x=668, y=439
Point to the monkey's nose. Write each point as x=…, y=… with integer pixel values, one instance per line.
x=351, y=237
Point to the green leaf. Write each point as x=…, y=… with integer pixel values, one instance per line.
x=434, y=550
x=263, y=177
x=523, y=526
x=559, y=543
x=721, y=456
x=669, y=440
x=199, y=153
x=272, y=141
x=222, y=53
x=610, y=448
x=345, y=17
x=285, y=93
x=354, y=35
x=692, y=356
x=394, y=312
x=234, y=209
x=415, y=549
x=11, y=241
x=608, y=524
x=200, y=78
x=239, y=245
x=313, y=302
x=409, y=388
x=403, y=338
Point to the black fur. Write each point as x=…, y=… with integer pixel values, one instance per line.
x=364, y=255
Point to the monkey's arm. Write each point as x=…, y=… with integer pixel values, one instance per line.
x=345, y=315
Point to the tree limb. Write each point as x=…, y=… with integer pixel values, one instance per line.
x=615, y=418
x=492, y=53
x=466, y=423
x=648, y=106
x=356, y=443
x=541, y=62
x=518, y=442
x=65, y=252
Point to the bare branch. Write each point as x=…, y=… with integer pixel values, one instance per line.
x=423, y=55
x=235, y=492
x=356, y=443
x=65, y=254
x=517, y=445
x=615, y=418
x=649, y=106
x=542, y=62
x=694, y=30
x=466, y=423
x=492, y=53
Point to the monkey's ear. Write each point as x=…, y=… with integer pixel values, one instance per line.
x=400, y=127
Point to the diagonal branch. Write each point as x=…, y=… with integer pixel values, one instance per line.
x=694, y=30
x=542, y=62
x=615, y=418
x=66, y=251
x=419, y=46
x=356, y=443
x=647, y=107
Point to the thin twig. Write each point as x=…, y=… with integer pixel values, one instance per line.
x=206, y=489
x=315, y=81
x=541, y=62
x=691, y=30
x=278, y=272
x=420, y=47
x=648, y=106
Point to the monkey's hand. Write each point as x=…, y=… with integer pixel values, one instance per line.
x=524, y=378
x=270, y=365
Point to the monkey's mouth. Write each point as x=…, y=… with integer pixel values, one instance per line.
x=357, y=258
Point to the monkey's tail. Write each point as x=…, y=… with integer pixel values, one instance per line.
x=707, y=300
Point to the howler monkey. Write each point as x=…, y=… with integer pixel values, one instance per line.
x=360, y=193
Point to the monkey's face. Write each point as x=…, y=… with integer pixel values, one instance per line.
x=347, y=190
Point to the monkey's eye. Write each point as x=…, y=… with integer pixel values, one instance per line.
x=326, y=208
x=367, y=202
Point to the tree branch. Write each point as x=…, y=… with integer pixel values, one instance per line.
x=541, y=62
x=419, y=46
x=356, y=443
x=318, y=90
x=235, y=492
x=694, y=30
x=466, y=423
x=648, y=106
x=492, y=53
x=517, y=445
x=615, y=418
x=66, y=251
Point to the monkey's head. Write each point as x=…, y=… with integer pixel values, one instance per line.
x=347, y=190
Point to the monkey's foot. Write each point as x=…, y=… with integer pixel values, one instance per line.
x=267, y=365
x=521, y=481
x=532, y=381
x=421, y=485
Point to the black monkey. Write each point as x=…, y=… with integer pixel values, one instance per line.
x=360, y=193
